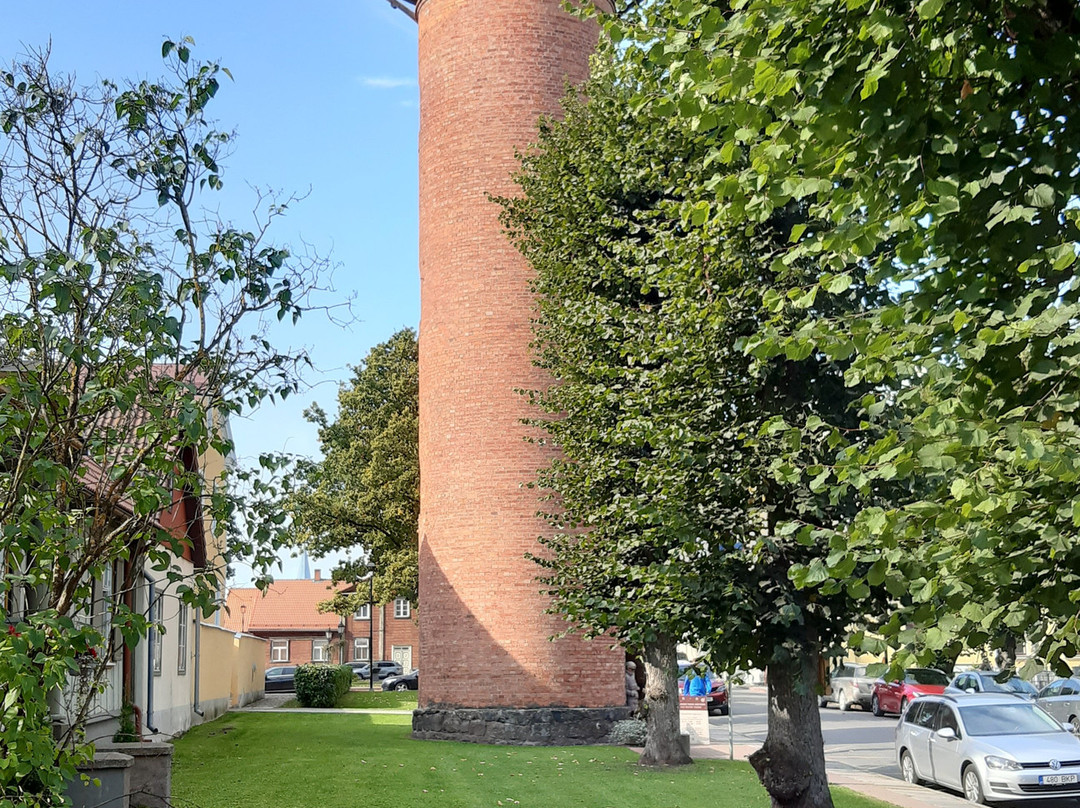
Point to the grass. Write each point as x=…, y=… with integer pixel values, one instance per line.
x=404, y=700
x=360, y=699
x=340, y=761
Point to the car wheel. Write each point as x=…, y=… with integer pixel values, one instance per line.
x=875, y=706
x=1075, y=721
x=842, y=702
x=973, y=790
x=907, y=769
x=903, y=705
x=401, y=686
x=725, y=710
x=823, y=702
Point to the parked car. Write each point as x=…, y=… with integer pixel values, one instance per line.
x=408, y=681
x=280, y=679
x=848, y=685
x=990, y=746
x=383, y=669
x=893, y=697
x=719, y=696
x=987, y=682
x=1062, y=700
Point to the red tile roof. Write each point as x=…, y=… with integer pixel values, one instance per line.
x=286, y=605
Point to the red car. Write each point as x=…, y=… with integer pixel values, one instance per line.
x=893, y=697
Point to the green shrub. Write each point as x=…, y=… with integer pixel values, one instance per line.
x=322, y=685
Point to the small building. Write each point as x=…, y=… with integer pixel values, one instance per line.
x=296, y=632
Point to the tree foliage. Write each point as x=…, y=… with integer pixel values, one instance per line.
x=364, y=495
x=677, y=478
x=936, y=150
x=131, y=325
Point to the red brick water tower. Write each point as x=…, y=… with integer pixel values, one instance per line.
x=488, y=69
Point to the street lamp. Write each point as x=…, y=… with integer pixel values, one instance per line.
x=330, y=636
x=370, y=624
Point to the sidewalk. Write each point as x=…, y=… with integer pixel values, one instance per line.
x=876, y=786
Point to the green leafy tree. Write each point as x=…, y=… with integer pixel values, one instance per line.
x=131, y=325
x=364, y=494
x=676, y=486
x=937, y=147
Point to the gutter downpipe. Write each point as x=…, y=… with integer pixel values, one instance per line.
x=150, y=661
x=198, y=670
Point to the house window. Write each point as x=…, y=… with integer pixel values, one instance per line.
x=104, y=613
x=157, y=616
x=181, y=640
x=361, y=652
x=364, y=612
x=319, y=651
x=402, y=608
x=279, y=650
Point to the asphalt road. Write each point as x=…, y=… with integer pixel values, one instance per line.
x=853, y=740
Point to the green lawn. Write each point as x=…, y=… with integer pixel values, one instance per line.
x=357, y=699
x=405, y=700
x=294, y=760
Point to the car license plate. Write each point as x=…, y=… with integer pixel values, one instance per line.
x=1056, y=779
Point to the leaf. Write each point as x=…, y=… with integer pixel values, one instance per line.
x=928, y=9
x=839, y=284
x=1042, y=196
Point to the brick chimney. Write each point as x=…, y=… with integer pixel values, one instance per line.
x=487, y=71
x=318, y=575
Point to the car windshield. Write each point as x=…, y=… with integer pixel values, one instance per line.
x=1012, y=685
x=925, y=676
x=1007, y=719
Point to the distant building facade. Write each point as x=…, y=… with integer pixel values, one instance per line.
x=296, y=632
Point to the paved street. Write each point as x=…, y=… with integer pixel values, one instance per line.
x=854, y=739
x=855, y=743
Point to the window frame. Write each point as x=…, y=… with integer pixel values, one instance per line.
x=275, y=647
x=363, y=613
x=157, y=617
x=402, y=608
x=323, y=648
x=361, y=642
x=182, y=640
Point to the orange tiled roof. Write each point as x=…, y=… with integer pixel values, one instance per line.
x=286, y=605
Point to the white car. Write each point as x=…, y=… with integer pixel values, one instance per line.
x=989, y=746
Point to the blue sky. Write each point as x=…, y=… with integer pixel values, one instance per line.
x=324, y=102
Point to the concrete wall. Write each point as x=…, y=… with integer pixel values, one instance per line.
x=232, y=670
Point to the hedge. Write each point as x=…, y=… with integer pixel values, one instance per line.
x=322, y=685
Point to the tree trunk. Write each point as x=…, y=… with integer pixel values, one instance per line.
x=663, y=746
x=791, y=764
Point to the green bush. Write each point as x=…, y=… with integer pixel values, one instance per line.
x=322, y=685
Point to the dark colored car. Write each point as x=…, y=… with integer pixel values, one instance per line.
x=719, y=697
x=383, y=668
x=280, y=679
x=893, y=697
x=987, y=682
x=408, y=681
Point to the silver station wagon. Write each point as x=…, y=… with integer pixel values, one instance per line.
x=1062, y=700
x=989, y=746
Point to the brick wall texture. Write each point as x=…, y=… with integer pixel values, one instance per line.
x=487, y=70
x=387, y=631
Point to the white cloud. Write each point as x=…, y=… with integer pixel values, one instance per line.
x=387, y=82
